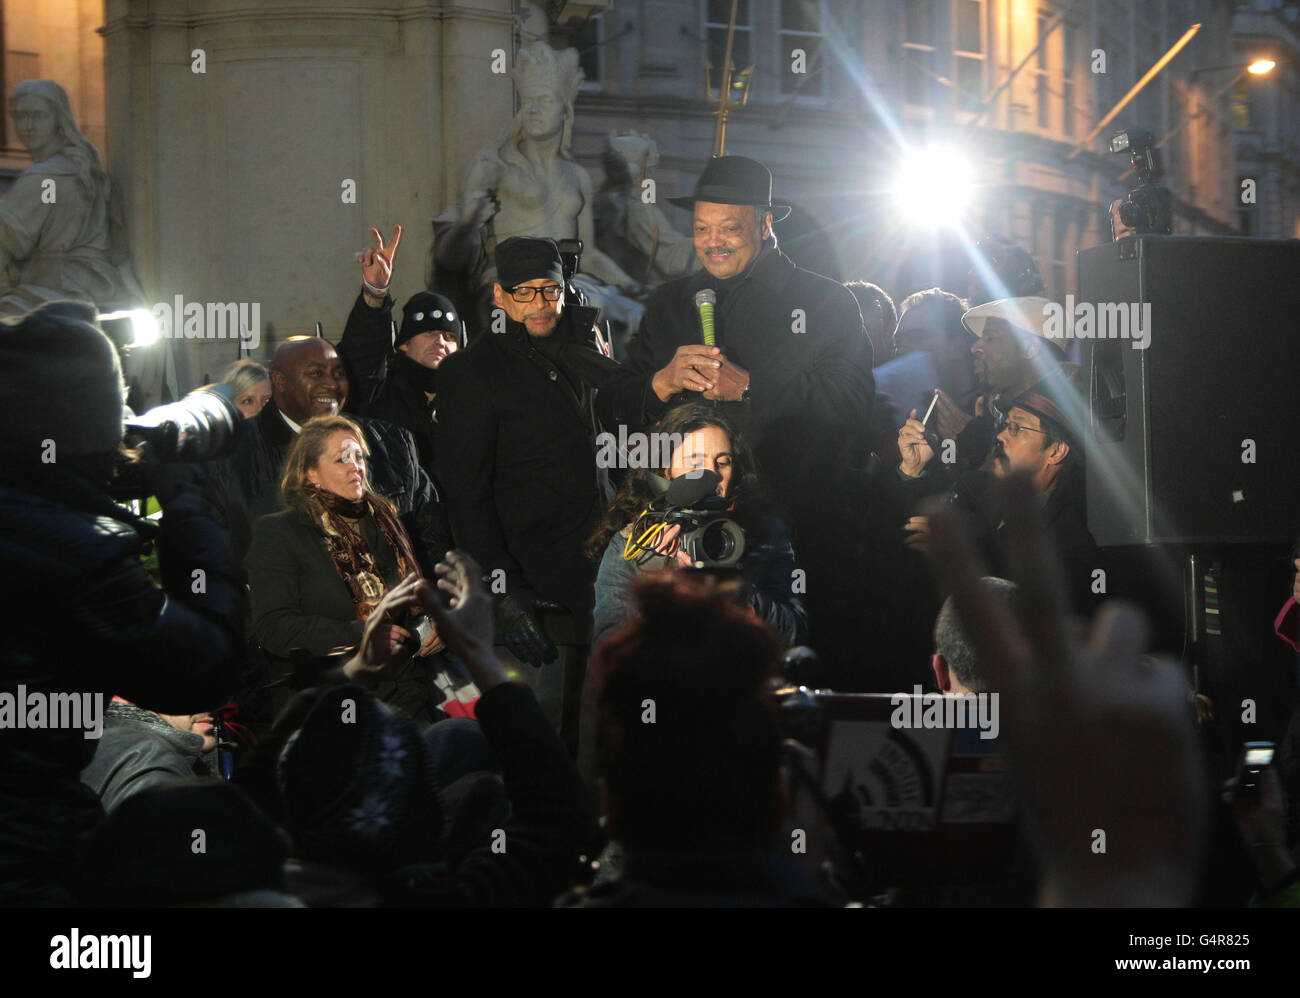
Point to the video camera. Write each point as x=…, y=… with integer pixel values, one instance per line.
x=1149, y=206
x=571, y=261
x=709, y=535
x=202, y=426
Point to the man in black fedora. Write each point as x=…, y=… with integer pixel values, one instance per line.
x=790, y=365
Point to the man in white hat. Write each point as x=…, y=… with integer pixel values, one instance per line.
x=1011, y=353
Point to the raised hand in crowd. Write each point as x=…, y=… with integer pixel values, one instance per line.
x=377, y=266
x=1100, y=738
x=382, y=638
x=466, y=619
x=913, y=447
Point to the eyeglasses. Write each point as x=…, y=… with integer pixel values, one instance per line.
x=552, y=292
x=1015, y=429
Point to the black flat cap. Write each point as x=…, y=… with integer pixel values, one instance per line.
x=524, y=258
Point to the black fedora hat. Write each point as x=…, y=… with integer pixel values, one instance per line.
x=735, y=180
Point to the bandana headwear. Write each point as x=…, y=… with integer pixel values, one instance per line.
x=1053, y=399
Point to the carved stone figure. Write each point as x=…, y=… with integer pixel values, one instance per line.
x=630, y=224
x=527, y=183
x=58, y=233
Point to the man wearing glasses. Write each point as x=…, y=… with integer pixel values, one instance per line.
x=1039, y=437
x=516, y=454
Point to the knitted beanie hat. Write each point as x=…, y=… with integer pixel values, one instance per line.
x=358, y=787
x=60, y=380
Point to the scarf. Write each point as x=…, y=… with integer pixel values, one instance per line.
x=348, y=549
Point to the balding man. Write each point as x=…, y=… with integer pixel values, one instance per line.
x=308, y=379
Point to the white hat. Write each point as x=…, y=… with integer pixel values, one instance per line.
x=1026, y=314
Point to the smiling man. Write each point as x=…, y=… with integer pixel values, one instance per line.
x=307, y=380
x=791, y=368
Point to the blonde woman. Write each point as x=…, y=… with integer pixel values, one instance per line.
x=320, y=567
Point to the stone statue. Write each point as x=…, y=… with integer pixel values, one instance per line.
x=526, y=183
x=57, y=230
x=629, y=222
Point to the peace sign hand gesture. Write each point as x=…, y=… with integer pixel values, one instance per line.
x=377, y=262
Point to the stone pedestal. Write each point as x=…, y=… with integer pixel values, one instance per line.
x=235, y=125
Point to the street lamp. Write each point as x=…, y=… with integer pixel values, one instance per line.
x=1259, y=67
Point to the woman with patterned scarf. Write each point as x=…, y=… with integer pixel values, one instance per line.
x=318, y=568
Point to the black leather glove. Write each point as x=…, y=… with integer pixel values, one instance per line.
x=520, y=629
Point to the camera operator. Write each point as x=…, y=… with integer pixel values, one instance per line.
x=768, y=566
x=84, y=618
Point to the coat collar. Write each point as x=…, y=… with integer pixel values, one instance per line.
x=771, y=271
x=275, y=431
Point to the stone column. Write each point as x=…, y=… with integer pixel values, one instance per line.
x=235, y=127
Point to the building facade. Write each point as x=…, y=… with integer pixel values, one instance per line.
x=1015, y=85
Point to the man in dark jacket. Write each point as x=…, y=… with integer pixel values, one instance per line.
x=307, y=380
x=516, y=452
x=393, y=376
x=83, y=614
x=791, y=368
x=431, y=331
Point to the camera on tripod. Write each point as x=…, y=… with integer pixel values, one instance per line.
x=1149, y=206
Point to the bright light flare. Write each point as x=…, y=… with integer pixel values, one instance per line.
x=1261, y=66
x=934, y=187
x=144, y=325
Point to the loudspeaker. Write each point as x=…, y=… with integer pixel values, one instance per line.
x=1195, y=412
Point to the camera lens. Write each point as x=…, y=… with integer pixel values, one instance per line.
x=722, y=541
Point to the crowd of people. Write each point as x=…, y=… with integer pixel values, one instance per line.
x=471, y=662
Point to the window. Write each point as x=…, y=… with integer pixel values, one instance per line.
x=586, y=39
x=968, y=53
x=1042, y=94
x=1240, y=107
x=918, y=53
x=1060, y=241
x=1070, y=52
x=802, y=28
x=717, y=15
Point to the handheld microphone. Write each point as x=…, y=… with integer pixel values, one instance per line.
x=705, y=299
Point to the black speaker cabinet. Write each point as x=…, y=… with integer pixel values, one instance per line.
x=1197, y=420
